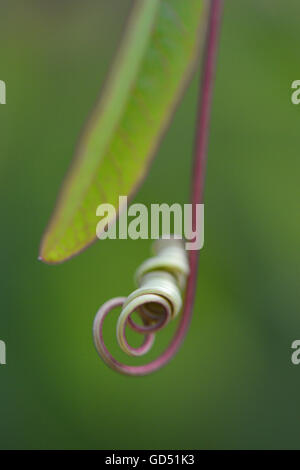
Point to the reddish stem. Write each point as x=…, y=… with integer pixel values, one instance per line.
x=204, y=112
x=203, y=119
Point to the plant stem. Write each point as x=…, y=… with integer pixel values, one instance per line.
x=204, y=110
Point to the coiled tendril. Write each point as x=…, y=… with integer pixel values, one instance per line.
x=157, y=300
x=158, y=308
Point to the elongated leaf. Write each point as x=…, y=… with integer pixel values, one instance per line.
x=151, y=70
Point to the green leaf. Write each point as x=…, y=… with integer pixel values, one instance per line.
x=152, y=68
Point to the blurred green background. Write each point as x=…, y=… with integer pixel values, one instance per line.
x=232, y=385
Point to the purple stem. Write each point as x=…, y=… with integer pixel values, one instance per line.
x=203, y=119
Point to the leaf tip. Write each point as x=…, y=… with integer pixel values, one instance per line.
x=44, y=257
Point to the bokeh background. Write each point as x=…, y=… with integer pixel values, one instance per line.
x=232, y=385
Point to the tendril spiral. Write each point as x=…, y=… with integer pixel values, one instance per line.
x=161, y=281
